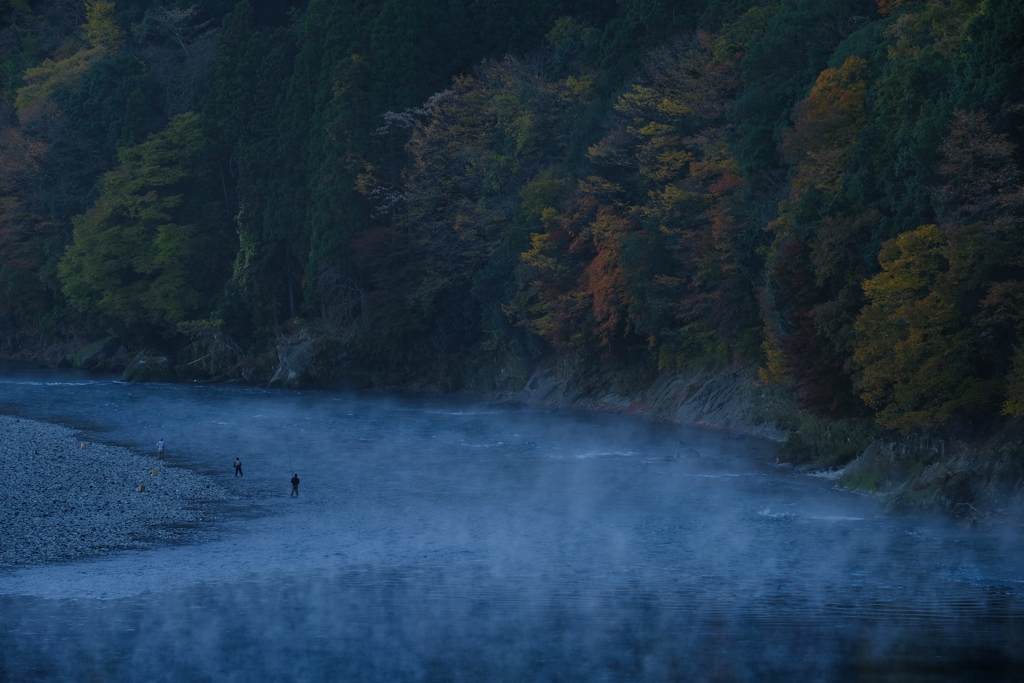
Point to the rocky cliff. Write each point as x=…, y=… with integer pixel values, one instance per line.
x=727, y=399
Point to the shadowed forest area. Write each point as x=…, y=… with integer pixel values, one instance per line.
x=443, y=193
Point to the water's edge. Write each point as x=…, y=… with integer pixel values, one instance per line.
x=729, y=400
x=977, y=479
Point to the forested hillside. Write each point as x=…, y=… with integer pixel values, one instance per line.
x=445, y=192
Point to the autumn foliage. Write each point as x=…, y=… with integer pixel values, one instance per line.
x=829, y=190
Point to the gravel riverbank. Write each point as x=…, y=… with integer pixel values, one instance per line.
x=61, y=501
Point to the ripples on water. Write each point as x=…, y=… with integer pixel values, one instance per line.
x=439, y=540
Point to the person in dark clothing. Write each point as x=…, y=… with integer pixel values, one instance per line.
x=238, y=467
x=295, y=485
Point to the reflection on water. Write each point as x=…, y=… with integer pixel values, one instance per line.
x=438, y=540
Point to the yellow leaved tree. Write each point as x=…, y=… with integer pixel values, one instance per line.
x=914, y=342
x=104, y=37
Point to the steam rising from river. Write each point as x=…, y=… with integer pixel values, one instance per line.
x=441, y=540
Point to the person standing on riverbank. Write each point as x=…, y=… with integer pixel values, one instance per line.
x=238, y=467
x=160, y=449
x=295, y=485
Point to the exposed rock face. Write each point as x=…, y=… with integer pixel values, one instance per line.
x=92, y=356
x=980, y=481
x=722, y=400
x=295, y=363
x=119, y=361
x=148, y=369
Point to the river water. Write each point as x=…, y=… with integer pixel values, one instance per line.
x=438, y=539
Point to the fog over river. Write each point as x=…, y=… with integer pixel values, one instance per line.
x=441, y=539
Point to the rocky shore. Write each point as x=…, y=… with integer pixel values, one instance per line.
x=725, y=399
x=62, y=498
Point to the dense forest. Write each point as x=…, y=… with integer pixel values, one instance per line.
x=440, y=191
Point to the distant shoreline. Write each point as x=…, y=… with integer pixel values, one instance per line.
x=61, y=501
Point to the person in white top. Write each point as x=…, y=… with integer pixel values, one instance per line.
x=160, y=449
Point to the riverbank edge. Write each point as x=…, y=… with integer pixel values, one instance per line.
x=728, y=400
x=975, y=479
x=66, y=498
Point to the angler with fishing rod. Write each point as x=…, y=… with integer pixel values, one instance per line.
x=295, y=476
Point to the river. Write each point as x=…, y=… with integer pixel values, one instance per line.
x=444, y=539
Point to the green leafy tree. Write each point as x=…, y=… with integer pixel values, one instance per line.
x=101, y=26
x=143, y=255
x=41, y=81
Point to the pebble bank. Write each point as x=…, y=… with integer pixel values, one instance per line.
x=62, y=498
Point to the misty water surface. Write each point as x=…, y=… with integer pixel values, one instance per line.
x=447, y=540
